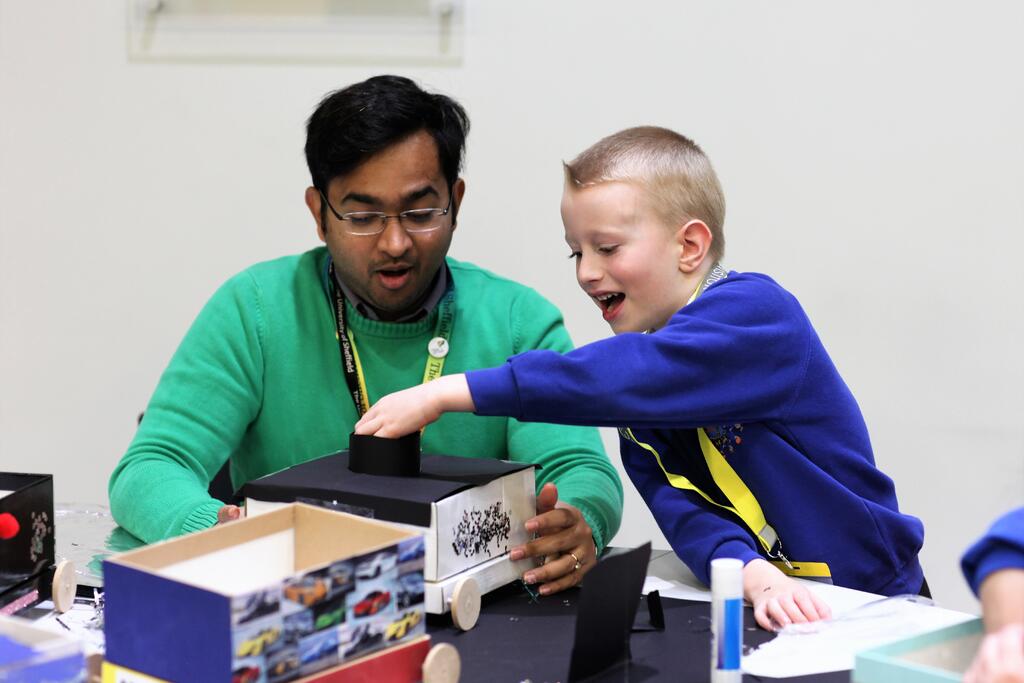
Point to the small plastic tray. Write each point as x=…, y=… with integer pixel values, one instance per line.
x=942, y=655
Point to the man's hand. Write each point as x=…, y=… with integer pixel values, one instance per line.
x=410, y=410
x=1000, y=658
x=778, y=600
x=228, y=513
x=564, y=538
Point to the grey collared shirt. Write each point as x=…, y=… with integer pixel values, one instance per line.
x=429, y=304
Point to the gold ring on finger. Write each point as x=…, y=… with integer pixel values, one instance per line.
x=577, y=566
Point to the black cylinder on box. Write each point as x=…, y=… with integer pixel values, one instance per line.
x=392, y=457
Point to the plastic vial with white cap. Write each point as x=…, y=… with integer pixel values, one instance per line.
x=726, y=620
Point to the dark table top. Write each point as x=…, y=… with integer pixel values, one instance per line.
x=518, y=638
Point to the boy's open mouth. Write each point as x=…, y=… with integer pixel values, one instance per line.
x=610, y=303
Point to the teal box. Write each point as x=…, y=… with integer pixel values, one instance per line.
x=942, y=655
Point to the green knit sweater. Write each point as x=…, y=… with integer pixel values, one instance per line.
x=258, y=379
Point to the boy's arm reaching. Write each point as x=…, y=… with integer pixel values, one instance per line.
x=738, y=353
x=412, y=409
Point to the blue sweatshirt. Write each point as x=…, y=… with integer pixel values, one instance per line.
x=743, y=362
x=1001, y=548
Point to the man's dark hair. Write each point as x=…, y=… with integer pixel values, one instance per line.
x=352, y=124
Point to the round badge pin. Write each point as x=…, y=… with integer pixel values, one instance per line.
x=438, y=347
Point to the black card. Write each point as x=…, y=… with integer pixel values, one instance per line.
x=608, y=600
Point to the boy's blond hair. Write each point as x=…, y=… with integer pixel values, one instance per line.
x=670, y=167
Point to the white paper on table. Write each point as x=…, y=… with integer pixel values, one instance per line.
x=831, y=645
x=675, y=589
x=81, y=622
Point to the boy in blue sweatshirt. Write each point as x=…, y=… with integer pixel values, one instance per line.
x=734, y=424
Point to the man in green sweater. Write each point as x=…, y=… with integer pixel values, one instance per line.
x=286, y=355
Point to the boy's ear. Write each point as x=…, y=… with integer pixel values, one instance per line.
x=694, y=240
x=313, y=202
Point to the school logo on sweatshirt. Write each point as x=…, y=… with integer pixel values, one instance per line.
x=726, y=438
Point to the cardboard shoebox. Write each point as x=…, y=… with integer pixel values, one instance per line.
x=941, y=655
x=265, y=599
x=26, y=533
x=471, y=510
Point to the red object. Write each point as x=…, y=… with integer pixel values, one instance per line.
x=249, y=674
x=372, y=603
x=9, y=526
x=399, y=663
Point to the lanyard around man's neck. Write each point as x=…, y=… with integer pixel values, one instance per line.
x=437, y=348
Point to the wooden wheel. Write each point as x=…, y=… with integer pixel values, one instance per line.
x=65, y=585
x=465, y=603
x=442, y=664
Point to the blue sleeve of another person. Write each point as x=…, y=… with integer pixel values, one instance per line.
x=1001, y=548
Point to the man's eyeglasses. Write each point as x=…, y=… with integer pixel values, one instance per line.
x=373, y=222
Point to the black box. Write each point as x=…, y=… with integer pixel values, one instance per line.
x=26, y=532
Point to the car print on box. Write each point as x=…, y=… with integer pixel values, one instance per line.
x=374, y=602
x=363, y=638
x=283, y=665
x=409, y=590
x=318, y=651
x=329, y=613
x=307, y=590
x=410, y=555
x=249, y=608
x=375, y=565
x=403, y=626
x=298, y=625
x=264, y=639
x=342, y=578
x=246, y=674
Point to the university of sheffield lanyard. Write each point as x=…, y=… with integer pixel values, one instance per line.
x=437, y=349
x=743, y=504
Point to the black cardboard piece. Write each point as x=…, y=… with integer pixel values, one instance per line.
x=608, y=600
x=329, y=482
x=384, y=457
x=650, y=616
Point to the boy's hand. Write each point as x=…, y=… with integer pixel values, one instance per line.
x=407, y=411
x=564, y=538
x=778, y=600
x=1000, y=657
x=228, y=513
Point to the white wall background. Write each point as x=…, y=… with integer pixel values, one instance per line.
x=871, y=155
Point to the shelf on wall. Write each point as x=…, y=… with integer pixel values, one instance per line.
x=274, y=31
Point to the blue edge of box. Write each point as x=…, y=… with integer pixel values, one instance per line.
x=140, y=613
